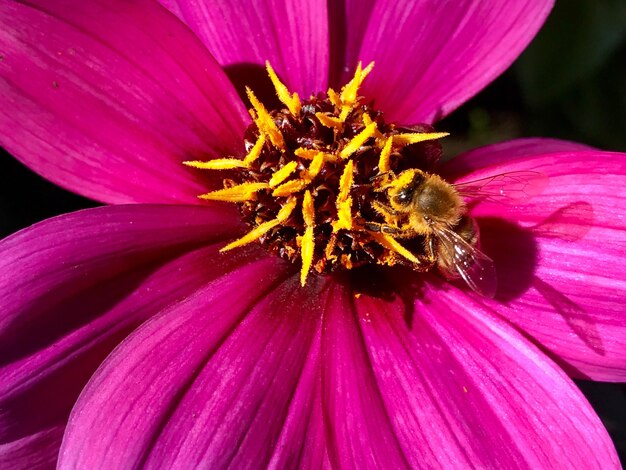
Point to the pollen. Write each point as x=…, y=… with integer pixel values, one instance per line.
x=307, y=180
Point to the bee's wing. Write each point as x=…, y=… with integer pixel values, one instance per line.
x=476, y=268
x=514, y=186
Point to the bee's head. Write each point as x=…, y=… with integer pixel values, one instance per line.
x=402, y=190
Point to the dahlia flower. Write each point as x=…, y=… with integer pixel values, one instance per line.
x=295, y=315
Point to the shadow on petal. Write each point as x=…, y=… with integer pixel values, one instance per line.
x=569, y=223
x=514, y=252
x=389, y=284
x=244, y=75
x=575, y=316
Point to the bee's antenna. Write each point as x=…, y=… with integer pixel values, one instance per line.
x=380, y=175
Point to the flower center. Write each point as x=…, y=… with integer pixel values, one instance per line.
x=327, y=183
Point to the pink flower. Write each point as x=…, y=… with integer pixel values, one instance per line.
x=127, y=340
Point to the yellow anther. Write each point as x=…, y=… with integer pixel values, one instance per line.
x=315, y=166
x=345, y=110
x=218, y=164
x=334, y=98
x=344, y=201
x=329, y=121
x=282, y=174
x=264, y=121
x=310, y=154
x=239, y=193
x=330, y=247
x=263, y=228
x=255, y=151
x=252, y=235
x=391, y=244
x=307, y=244
x=367, y=120
x=345, y=182
x=289, y=188
x=358, y=140
x=344, y=215
x=385, y=153
x=291, y=101
x=414, y=138
x=349, y=91
x=308, y=209
x=287, y=209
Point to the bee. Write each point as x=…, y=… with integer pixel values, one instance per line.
x=424, y=204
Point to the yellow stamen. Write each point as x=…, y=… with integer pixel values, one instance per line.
x=344, y=215
x=348, y=96
x=391, y=244
x=358, y=140
x=315, y=166
x=310, y=154
x=346, y=109
x=264, y=121
x=252, y=235
x=291, y=101
x=282, y=174
x=218, y=164
x=367, y=120
x=308, y=210
x=334, y=98
x=307, y=246
x=330, y=247
x=345, y=182
x=265, y=227
x=255, y=151
x=344, y=201
x=289, y=188
x=385, y=153
x=413, y=138
x=330, y=121
x=349, y=91
x=239, y=193
x=230, y=163
x=287, y=209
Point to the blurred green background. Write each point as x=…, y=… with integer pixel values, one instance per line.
x=569, y=84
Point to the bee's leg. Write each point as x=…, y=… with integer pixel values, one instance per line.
x=382, y=228
x=390, y=215
x=429, y=246
x=397, y=232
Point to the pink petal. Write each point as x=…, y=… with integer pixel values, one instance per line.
x=456, y=388
x=509, y=150
x=359, y=427
x=348, y=20
x=97, y=97
x=37, y=451
x=220, y=380
x=560, y=256
x=292, y=35
x=73, y=287
x=433, y=56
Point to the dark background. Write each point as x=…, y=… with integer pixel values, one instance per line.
x=569, y=84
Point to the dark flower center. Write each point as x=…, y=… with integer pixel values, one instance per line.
x=326, y=182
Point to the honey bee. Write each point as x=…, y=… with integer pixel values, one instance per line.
x=424, y=204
